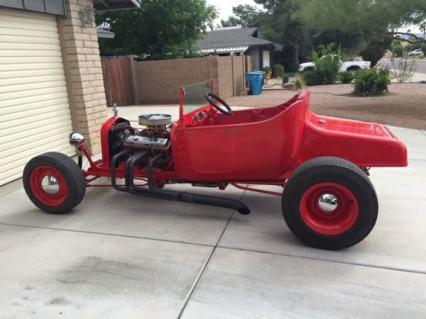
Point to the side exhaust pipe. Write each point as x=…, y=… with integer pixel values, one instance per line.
x=178, y=196
x=114, y=163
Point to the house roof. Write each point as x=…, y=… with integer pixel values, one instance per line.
x=232, y=38
x=115, y=4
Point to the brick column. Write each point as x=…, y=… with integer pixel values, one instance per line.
x=83, y=70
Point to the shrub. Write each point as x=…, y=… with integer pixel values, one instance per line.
x=396, y=48
x=403, y=69
x=267, y=69
x=298, y=83
x=312, y=78
x=371, y=82
x=277, y=71
x=346, y=77
x=328, y=60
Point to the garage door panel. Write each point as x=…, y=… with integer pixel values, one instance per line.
x=30, y=66
x=59, y=87
x=34, y=53
x=8, y=22
x=46, y=133
x=45, y=110
x=30, y=73
x=32, y=79
x=20, y=159
x=34, y=108
x=28, y=32
x=30, y=126
x=29, y=86
x=46, y=126
x=36, y=46
x=16, y=172
x=30, y=99
x=31, y=59
x=8, y=161
x=33, y=120
x=27, y=39
x=18, y=109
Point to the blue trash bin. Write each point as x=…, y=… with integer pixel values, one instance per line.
x=255, y=82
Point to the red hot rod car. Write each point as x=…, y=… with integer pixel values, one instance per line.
x=321, y=163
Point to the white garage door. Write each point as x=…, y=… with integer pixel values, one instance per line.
x=34, y=109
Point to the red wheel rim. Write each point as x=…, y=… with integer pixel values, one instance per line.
x=329, y=209
x=51, y=195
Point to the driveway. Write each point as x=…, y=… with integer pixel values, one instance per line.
x=120, y=256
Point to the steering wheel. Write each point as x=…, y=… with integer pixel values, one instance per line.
x=211, y=98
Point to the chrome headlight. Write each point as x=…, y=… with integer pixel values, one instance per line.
x=76, y=139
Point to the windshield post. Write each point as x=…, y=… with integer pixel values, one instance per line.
x=181, y=102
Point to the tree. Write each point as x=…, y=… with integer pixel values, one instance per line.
x=373, y=23
x=244, y=16
x=278, y=21
x=159, y=29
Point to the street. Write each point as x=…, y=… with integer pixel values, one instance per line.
x=420, y=65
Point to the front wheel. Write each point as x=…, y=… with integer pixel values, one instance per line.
x=330, y=203
x=54, y=182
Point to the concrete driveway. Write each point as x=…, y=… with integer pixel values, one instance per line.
x=119, y=256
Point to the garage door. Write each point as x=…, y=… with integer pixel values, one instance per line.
x=34, y=109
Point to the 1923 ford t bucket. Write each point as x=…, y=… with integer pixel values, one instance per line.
x=321, y=163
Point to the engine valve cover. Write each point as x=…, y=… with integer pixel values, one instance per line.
x=155, y=119
x=145, y=142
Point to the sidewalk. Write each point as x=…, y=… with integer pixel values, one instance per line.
x=418, y=77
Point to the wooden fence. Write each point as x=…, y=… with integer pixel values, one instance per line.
x=117, y=80
x=129, y=82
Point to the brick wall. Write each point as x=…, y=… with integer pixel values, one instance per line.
x=226, y=87
x=238, y=69
x=158, y=82
x=83, y=70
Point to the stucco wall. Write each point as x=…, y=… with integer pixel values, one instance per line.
x=254, y=53
x=158, y=82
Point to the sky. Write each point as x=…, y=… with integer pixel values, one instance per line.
x=225, y=6
x=225, y=11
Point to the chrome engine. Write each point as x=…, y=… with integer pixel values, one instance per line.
x=146, y=142
x=155, y=137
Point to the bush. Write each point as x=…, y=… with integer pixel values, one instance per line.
x=299, y=83
x=328, y=60
x=277, y=71
x=403, y=69
x=267, y=69
x=396, y=48
x=371, y=82
x=312, y=78
x=346, y=77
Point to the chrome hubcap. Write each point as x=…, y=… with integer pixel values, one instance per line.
x=327, y=203
x=50, y=185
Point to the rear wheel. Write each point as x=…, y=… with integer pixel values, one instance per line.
x=330, y=203
x=54, y=182
x=354, y=69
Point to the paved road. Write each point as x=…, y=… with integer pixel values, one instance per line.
x=120, y=256
x=420, y=65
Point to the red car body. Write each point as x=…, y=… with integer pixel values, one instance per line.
x=320, y=162
x=263, y=145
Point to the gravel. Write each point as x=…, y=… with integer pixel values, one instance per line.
x=404, y=105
